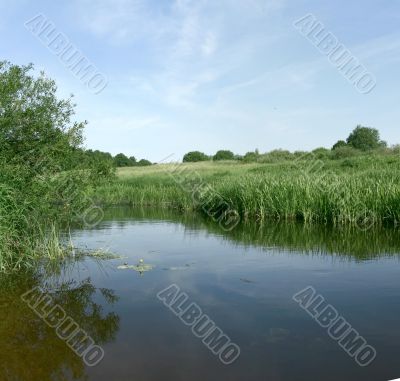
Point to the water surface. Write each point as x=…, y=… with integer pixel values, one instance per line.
x=243, y=280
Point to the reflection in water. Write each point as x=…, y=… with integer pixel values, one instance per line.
x=244, y=280
x=30, y=349
x=294, y=237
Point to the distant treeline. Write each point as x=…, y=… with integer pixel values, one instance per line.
x=361, y=140
x=120, y=160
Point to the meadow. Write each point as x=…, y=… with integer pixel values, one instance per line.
x=361, y=191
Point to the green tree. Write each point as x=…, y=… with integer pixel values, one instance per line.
x=144, y=163
x=339, y=144
x=195, y=156
x=365, y=138
x=34, y=124
x=122, y=160
x=44, y=174
x=224, y=155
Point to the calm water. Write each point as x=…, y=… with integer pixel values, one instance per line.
x=243, y=280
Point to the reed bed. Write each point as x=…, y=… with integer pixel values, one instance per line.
x=362, y=192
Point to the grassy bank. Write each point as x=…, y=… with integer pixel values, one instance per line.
x=359, y=191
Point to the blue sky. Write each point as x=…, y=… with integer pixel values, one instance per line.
x=215, y=74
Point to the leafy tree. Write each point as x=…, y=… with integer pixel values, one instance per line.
x=339, y=144
x=132, y=159
x=224, y=155
x=44, y=174
x=102, y=162
x=365, y=138
x=195, y=156
x=250, y=157
x=144, y=163
x=34, y=124
x=122, y=160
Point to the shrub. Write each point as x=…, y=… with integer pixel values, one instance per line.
x=251, y=157
x=224, y=155
x=322, y=153
x=122, y=160
x=195, y=156
x=365, y=138
x=339, y=144
x=344, y=152
x=143, y=163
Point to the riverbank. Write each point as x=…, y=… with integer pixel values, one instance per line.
x=363, y=191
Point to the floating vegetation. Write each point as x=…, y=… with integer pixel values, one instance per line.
x=101, y=254
x=141, y=267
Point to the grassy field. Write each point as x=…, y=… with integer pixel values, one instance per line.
x=360, y=191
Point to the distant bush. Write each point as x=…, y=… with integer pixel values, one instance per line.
x=395, y=149
x=144, y=163
x=195, y=156
x=321, y=153
x=339, y=144
x=276, y=156
x=299, y=154
x=224, y=155
x=251, y=157
x=122, y=160
x=365, y=138
x=344, y=153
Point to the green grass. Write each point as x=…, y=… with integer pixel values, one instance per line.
x=359, y=191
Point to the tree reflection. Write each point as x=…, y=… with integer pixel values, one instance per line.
x=30, y=349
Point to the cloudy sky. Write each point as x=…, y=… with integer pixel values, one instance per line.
x=215, y=74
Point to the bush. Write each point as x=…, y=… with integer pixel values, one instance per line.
x=224, y=155
x=322, y=153
x=144, y=163
x=251, y=157
x=44, y=172
x=344, y=153
x=195, y=156
x=276, y=156
x=339, y=144
x=122, y=160
x=365, y=138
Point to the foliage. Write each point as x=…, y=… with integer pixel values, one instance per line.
x=45, y=174
x=144, y=163
x=275, y=156
x=251, y=157
x=339, y=144
x=344, y=152
x=224, y=155
x=195, y=156
x=122, y=160
x=365, y=138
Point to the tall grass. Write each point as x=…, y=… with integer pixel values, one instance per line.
x=32, y=215
x=362, y=191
